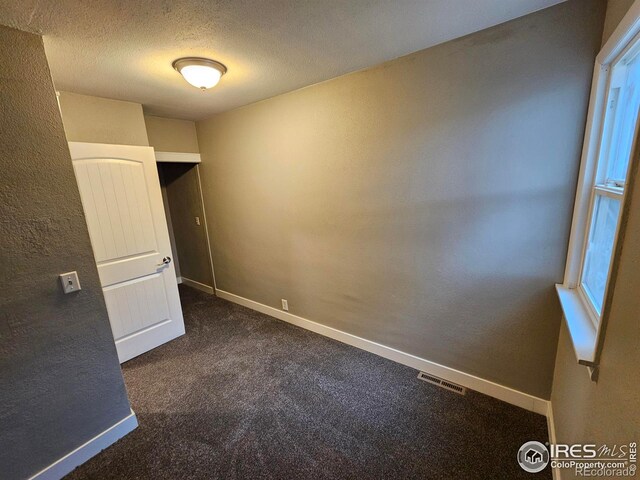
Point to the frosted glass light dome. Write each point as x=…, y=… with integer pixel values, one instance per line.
x=202, y=73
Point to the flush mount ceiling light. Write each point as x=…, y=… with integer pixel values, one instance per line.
x=200, y=72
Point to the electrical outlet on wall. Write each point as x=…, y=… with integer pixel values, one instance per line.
x=285, y=305
x=198, y=221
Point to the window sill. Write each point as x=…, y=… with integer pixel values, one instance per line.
x=581, y=329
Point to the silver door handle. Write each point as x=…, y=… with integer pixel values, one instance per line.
x=165, y=261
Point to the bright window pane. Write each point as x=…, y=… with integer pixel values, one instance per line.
x=625, y=101
x=598, y=256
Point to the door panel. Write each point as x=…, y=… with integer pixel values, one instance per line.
x=121, y=197
x=116, y=191
x=136, y=304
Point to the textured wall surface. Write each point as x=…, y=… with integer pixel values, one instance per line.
x=60, y=381
x=183, y=194
x=606, y=412
x=102, y=120
x=424, y=204
x=171, y=135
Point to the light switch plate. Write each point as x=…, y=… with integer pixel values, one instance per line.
x=70, y=282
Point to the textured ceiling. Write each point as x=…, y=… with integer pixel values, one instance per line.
x=124, y=48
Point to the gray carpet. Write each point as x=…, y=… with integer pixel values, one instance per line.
x=244, y=396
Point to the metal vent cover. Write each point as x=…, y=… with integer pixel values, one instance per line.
x=442, y=383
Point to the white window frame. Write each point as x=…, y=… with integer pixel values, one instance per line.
x=585, y=326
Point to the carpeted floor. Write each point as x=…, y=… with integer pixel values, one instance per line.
x=244, y=396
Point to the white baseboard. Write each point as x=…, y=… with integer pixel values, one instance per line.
x=551, y=426
x=179, y=280
x=197, y=285
x=84, y=452
x=506, y=394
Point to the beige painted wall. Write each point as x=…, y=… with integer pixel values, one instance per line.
x=171, y=135
x=181, y=196
x=60, y=379
x=102, y=120
x=615, y=11
x=606, y=411
x=180, y=181
x=423, y=204
x=167, y=214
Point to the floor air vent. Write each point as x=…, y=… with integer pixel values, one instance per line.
x=442, y=383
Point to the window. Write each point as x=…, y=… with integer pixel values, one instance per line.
x=621, y=115
x=608, y=148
